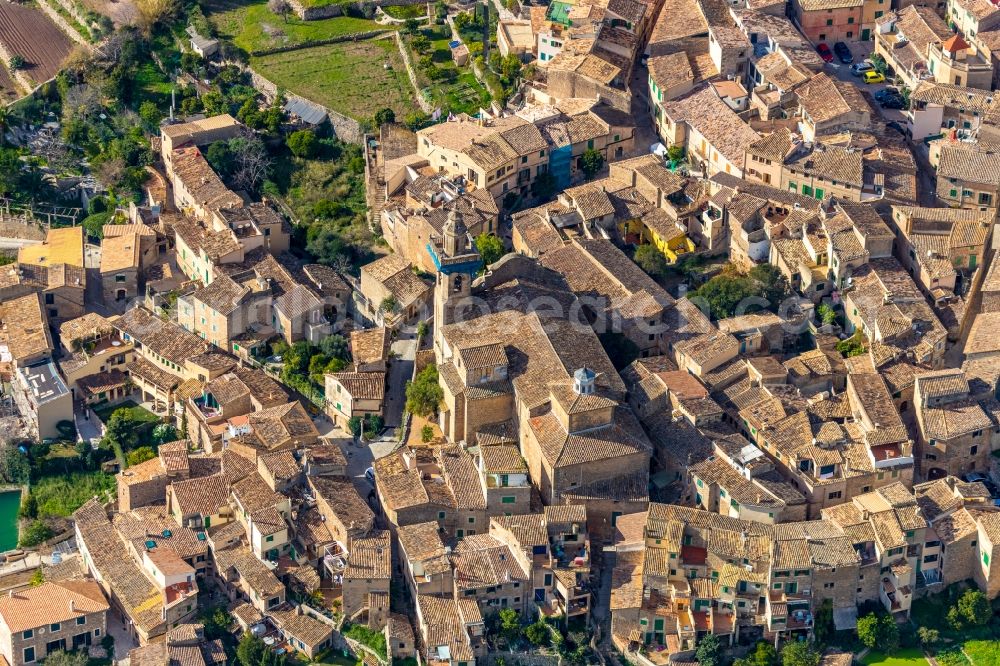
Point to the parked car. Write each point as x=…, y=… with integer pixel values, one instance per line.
x=844, y=53
x=859, y=68
x=824, y=52
x=893, y=100
x=873, y=77
x=370, y=475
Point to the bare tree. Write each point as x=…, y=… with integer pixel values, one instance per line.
x=280, y=7
x=82, y=101
x=251, y=160
x=152, y=12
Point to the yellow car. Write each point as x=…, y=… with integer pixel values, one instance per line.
x=873, y=77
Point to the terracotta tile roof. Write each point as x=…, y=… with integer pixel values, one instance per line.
x=163, y=338
x=967, y=164
x=343, y=499
x=361, y=385
x=253, y=494
x=203, y=496
x=24, y=328
x=442, y=626
x=277, y=426
x=463, y=478
x=422, y=542
x=529, y=530
x=482, y=561
x=502, y=459
x=369, y=345
x=370, y=557
x=51, y=603
x=713, y=119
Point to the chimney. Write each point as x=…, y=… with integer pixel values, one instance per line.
x=72, y=606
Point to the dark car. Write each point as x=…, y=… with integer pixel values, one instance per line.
x=844, y=53
x=893, y=102
x=824, y=52
x=890, y=98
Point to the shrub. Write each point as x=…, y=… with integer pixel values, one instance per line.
x=303, y=143
x=35, y=533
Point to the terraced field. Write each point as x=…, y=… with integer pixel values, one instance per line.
x=27, y=32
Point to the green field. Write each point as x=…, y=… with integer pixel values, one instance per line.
x=140, y=414
x=349, y=77
x=253, y=27
x=904, y=657
x=983, y=653
x=406, y=11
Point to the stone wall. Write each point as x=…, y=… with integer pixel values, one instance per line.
x=346, y=129
x=353, y=37
x=411, y=72
x=328, y=11
x=519, y=659
x=63, y=25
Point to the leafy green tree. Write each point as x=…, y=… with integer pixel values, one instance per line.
x=763, y=654
x=928, y=636
x=420, y=44
x=150, y=114
x=799, y=653
x=826, y=314
x=303, y=143
x=411, y=26
x=336, y=346
x=220, y=157
x=591, y=162
x=14, y=465
x=544, y=186
x=879, y=632
x=770, y=284
x=490, y=248
x=510, y=623
x=426, y=434
x=16, y=62
x=650, y=259
x=140, y=455
x=676, y=153
x=974, y=608
x=538, y=633
x=251, y=650
x=121, y=429
x=709, y=651
x=163, y=433
x=63, y=658
x=725, y=292
x=422, y=328
x=383, y=116
x=37, y=578
x=424, y=394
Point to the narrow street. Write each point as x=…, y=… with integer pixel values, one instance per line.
x=404, y=351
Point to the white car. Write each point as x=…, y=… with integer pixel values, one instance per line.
x=859, y=68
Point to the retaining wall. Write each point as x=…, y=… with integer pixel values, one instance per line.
x=346, y=129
